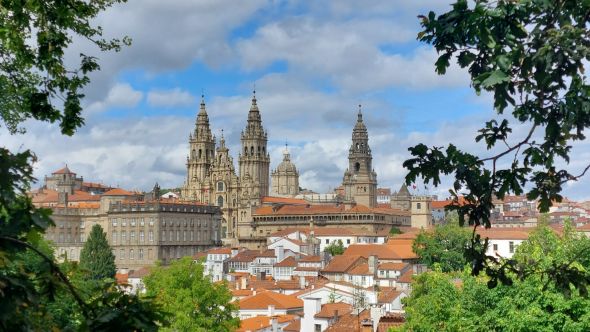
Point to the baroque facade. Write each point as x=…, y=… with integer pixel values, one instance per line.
x=141, y=228
x=285, y=179
x=211, y=176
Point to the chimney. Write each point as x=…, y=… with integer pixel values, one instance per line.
x=244, y=282
x=373, y=264
x=274, y=323
x=301, y=282
x=335, y=319
x=280, y=253
x=271, y=310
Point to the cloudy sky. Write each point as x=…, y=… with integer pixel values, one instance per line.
x=311, y=62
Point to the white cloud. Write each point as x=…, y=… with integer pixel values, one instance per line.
x=120, y=95
x=170, y=98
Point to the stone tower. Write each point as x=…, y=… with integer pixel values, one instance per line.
x=201, y=154
x=421, y=211
x=225, y=188
x=254, y=159
x=401, y=199
x=360, y=180
x=285, y=179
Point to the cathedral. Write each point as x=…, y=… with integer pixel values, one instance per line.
x=212, y=178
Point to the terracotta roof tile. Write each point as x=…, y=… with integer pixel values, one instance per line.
x=342, y=263
x=382, y=251
x=264, y=299
x=294, y=326
x=64, y=170
x=329, y=310
x=287, y=262
x=118, y=192
x=314, y=258
x=393, y=266
x=388, y=295
x=361, y=269
x=142, y=272
x=406, y=277
x=349, y=322
x=262, y=322
x=283, y=200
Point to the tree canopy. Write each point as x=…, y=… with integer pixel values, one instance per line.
x=443, y=246
x=461, y=302
x=531, y=56
x=335, y=248
x=191, y=300
x=97, y=256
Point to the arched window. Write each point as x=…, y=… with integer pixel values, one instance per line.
x=245, y=150
x=219, y=186
x=200, y=153
x=357, y=146
x=194, y=153
x=220, y=201
x=252, y=150
x=418, y=206
x=357, y=167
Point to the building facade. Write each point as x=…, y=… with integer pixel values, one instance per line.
x=285, y=179
x=211, y=176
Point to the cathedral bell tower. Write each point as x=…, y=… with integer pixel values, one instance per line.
x=360, y=180
x=201, y=154
x=254, y=160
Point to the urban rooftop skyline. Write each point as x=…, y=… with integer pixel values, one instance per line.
x=311, y=66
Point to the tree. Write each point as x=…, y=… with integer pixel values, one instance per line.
x=335, y=248
x=394, y=231
x=443, y=246
x=461, y=302
x=193, y=302
x=531, y=56
x=35, y=83
x=97, y=256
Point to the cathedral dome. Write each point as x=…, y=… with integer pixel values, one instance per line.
x=286, y=166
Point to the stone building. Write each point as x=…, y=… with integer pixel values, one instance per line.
x=285, y=179
x=211, y=176
x=360, y=180
x=141, y=228
x=419, y=206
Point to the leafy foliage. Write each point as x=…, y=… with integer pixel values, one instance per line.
x=34, y=79
x=335, y=248
x=97, y=256
x=444, y=247
x=461, y=302
x=37, y=293
x=531, y=56
x=193, y=302
x=394, y=231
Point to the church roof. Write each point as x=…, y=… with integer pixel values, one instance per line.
x=64, y=170
x=118, y=192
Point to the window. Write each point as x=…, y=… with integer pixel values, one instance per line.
x=192, y=235
x=131, y=254
x=327, y=241
x=219, y=186
x=152, y=221
x=495, y=247
x=171, y=236
x=82, y=239
x=132, y=222
x=220, y=201
x=317, y=328
x=140, y=254
x=141, y=237
x=141, y=222
x=151, y=236
x=114, y=222
x=184, y=236
x=347, y=241
x=418, y=206
x=122, y=254
x=132, y=237
x=511, y=247
x=123, y=237
x=123, y=222
x=114, y=237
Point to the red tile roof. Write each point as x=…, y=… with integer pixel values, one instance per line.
x=283, y=200
x=264, y=299
x=287, y=262
x=118, y=192
x=382, y=251
x=329, y=310
x=64, y=170
x=263, y=322
x=393, y=266
x=342, y=263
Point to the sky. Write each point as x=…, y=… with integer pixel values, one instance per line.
x=311, y=62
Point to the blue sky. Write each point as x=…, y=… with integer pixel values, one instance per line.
x=312, y=63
